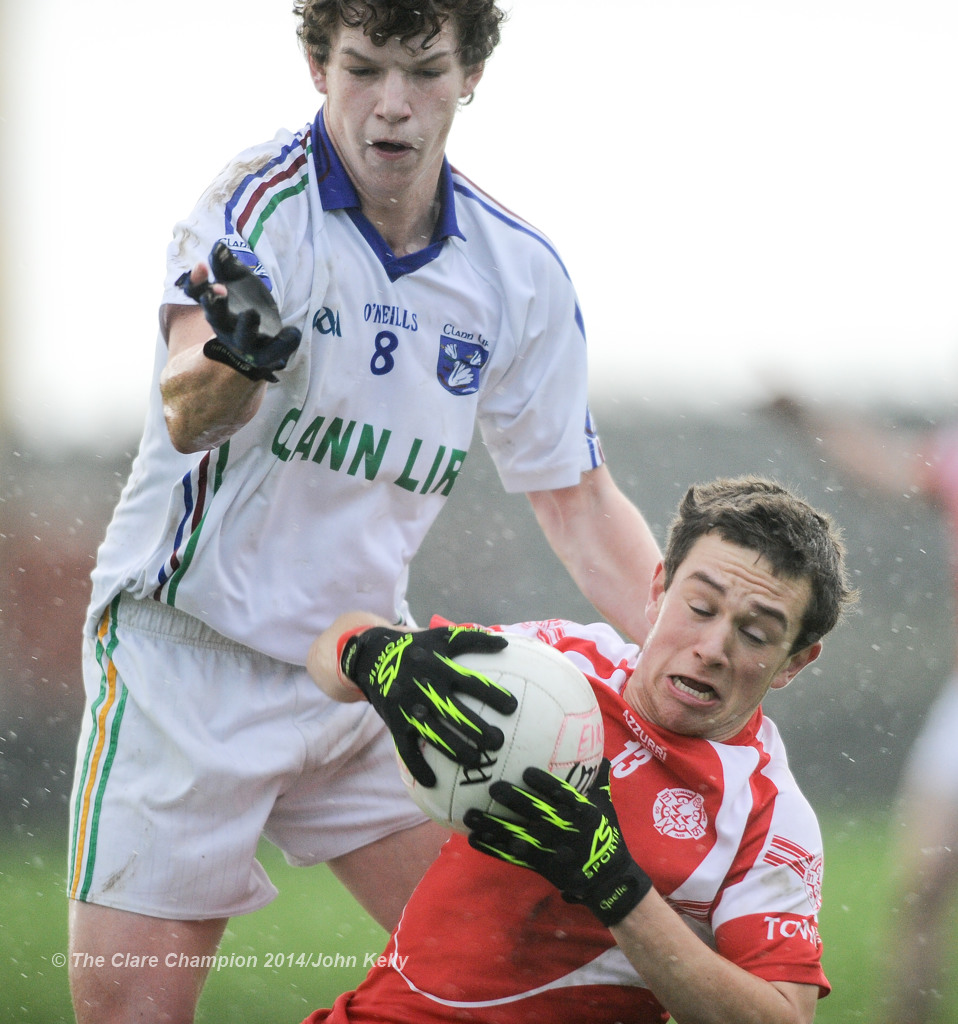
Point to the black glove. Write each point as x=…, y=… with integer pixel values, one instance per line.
x=573, y=841
x=410, y=679
x=250, y=337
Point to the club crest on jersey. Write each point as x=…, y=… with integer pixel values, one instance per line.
x=680, y=814
x=813, y=882
x=239, y=248
x=459, y=365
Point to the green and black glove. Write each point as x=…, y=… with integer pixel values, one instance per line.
x=573, y=841
x=250, y=336
x=411, y=679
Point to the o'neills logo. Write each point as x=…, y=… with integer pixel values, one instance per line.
x=644, y=738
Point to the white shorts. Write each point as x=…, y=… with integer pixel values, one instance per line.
x=192, y=748
x=933, y=762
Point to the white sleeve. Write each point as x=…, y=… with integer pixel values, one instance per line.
x=535, y=418
x=223, y=213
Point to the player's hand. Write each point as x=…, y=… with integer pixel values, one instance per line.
x=250, y=336
x=411, y=679
x=573, y=841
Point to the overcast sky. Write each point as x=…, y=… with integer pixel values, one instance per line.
x=743, y=192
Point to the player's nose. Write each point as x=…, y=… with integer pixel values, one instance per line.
x=712, y=642
x=393, y=97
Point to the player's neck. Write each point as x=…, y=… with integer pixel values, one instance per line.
x=407, y=217
x=406, y=228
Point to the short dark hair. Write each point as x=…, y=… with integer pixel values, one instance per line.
x=797, y=540
x=476, y=23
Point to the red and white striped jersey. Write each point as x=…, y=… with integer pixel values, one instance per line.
x=721, y=828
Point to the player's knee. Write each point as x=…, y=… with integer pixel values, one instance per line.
x=122, y=965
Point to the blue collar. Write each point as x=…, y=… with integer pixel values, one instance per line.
x=337, y=192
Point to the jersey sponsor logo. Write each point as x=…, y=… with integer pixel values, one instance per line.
x=326, y=321
x=633, y=723
x=460, y=360
x=808, y=866
x=390, y=316
x=353, y=448
x=239, y=248
x=679, y=814
x=788, y=927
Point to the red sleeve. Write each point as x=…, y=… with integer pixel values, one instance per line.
x=779, y=947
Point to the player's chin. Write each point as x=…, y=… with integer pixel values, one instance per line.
x=688, y=717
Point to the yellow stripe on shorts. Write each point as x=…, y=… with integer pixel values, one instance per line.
x=107, y=712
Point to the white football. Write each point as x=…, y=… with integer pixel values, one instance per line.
x=557, y=726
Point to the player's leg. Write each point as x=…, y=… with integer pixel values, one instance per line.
x=926, y=869
x=179, y=765
x=350, y=809
x=128, y=967
x=402, y=858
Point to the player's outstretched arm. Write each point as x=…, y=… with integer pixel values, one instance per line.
x=889, y=460
x=240, y=329
x=606, y=545
x=575, y=842
x=204, y=402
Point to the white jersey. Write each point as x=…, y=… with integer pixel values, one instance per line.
x=321, y=501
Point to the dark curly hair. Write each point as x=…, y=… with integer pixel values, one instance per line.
x=797, y=540
x=476, y=23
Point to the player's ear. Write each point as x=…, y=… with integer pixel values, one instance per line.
x=318, y=74
x=473, y=76
x=656, y=593
x=795, y=663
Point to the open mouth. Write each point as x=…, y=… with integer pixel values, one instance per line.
x=698, y=691
x=391, y=147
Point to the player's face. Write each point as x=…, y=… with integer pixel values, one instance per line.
x=720, y=639
x=389, y=110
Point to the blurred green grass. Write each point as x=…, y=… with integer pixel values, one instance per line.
x=314, y=919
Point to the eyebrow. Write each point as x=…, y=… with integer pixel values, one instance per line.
x=428, y=58
x=764, y=609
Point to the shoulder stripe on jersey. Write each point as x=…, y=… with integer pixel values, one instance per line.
x=107, y=713
x=786, y=851
x=273, y=203
x=293, y=159
x=197, y=494
x=268, y=186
